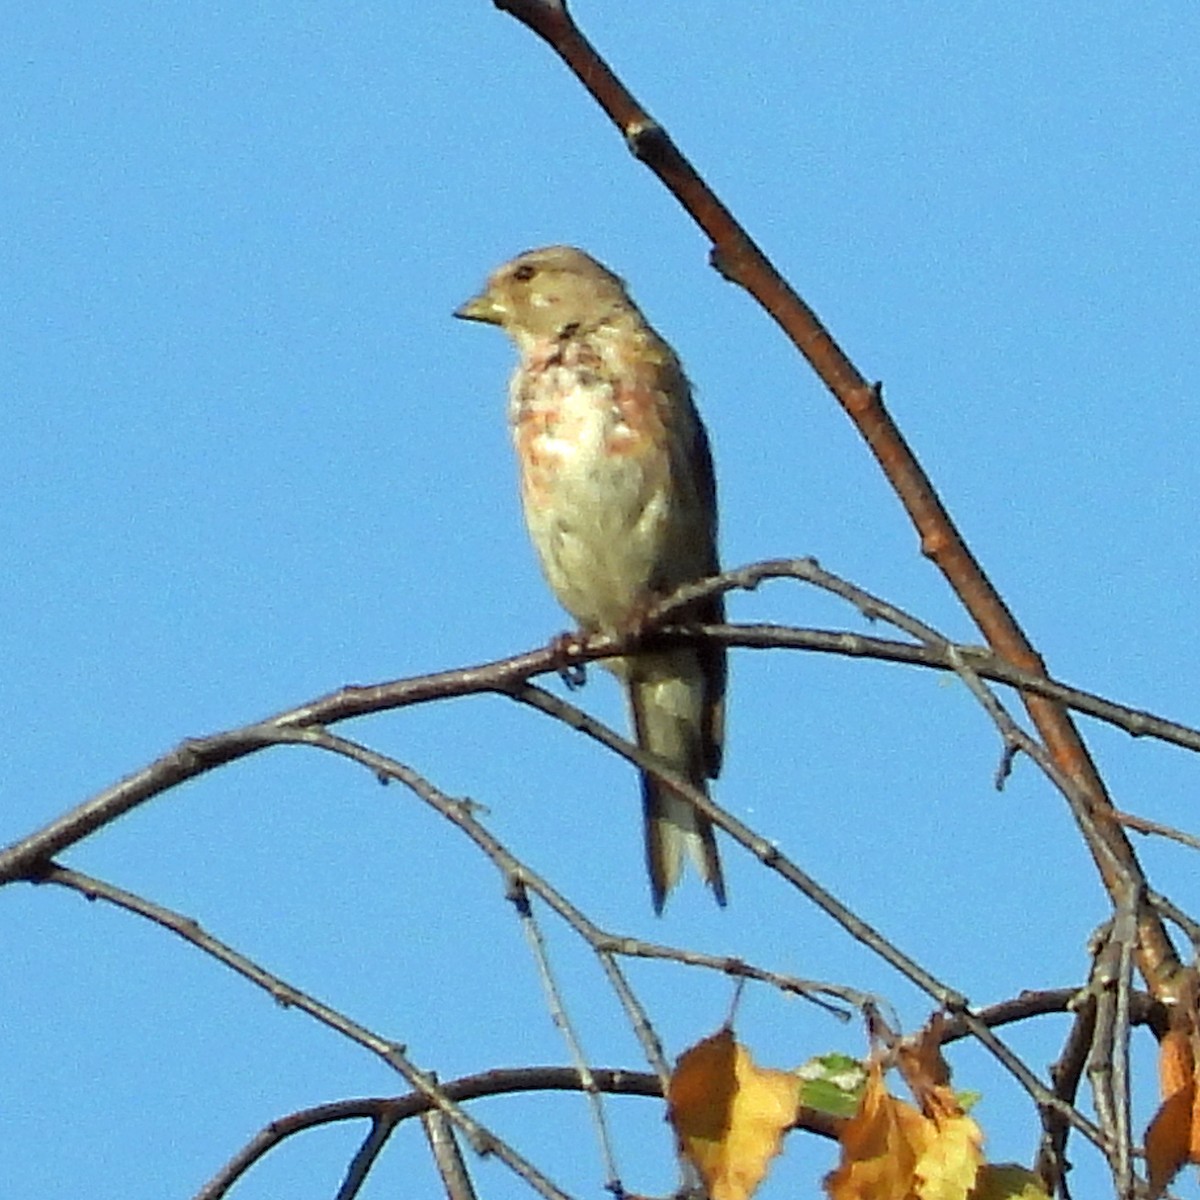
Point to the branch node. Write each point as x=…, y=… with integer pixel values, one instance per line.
x=646, y=138
x=721, y=261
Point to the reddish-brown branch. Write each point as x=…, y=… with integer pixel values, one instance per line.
x=740, y=260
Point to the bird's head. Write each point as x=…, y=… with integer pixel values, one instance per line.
x=548, y=294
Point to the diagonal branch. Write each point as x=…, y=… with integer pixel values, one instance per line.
x=740, y=260
x=482, y=1138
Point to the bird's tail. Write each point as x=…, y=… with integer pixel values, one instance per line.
x=670, y=721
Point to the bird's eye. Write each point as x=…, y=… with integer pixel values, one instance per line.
x=524, y=273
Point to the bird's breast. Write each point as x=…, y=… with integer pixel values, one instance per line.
x=594, y=489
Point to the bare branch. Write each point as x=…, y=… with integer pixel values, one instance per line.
x=447, y=1153
x=558, y=1014
x=367, y=1154
x=196, y=756
x=394, y=1110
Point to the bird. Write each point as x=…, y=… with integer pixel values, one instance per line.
x=619, y=497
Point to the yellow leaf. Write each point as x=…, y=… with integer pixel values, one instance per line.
x=892, y=1151
x=950, y=1165
x=926, y=1073
x=700, y=1094
x=920, y=1059
x=729, y=1115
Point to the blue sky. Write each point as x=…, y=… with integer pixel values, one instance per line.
x=249, y=457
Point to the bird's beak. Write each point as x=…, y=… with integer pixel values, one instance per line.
x=481, y=308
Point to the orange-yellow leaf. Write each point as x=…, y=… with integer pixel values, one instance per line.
x=729, y=1115
x=891, y=1151
x=881, y=1144
x=700, y=1094
x=1173, y=1137
x=1176, y=1069
x=925, y=1071
x=1168, y=1138
x=920, y=1058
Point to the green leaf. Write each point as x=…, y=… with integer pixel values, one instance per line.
x=832, y=1083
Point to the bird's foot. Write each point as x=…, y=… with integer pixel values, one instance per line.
x=562, y=647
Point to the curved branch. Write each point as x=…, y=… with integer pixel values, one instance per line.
x=612, y=1081
x=196, y=756
x=390, y=1111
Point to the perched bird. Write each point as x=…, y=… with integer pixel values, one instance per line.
x=620, y=500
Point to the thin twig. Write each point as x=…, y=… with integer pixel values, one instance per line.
x=519, y=896
x=1125, y=935
x=1145, y=825
x=447, y=1155
x=482, y=1139
x=1173, y=913
x=367, y=1155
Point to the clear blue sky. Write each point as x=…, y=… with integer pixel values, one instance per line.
x=248, y=457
